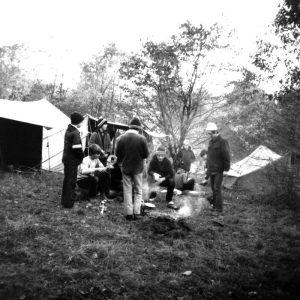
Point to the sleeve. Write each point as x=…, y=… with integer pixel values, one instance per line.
x=119, y=150
x=93, y=138
x=145, y=149
x=84, y=166
x=226, y=155
x=77, y=146
x=193, y=158
x=151, y=167
x=169, y=169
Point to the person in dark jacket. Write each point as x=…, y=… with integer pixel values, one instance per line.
x=218, y=161
x=131, y=152
x=185, y=157
x=72, y=157
x=160, y=170
x=102, y=138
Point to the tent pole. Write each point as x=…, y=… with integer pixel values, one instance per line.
x=48, y=153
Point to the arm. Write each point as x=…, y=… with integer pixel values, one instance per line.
x=86, y=169
x=226, y=155
x=77, y=146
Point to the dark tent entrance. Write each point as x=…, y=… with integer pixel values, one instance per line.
x=20, y=144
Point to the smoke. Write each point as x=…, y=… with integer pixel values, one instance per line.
x=191, y=205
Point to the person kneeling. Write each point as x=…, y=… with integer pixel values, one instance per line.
x=182, y=182
x=161, y=172
x=93, y=176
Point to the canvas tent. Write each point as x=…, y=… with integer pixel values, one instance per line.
x=31, y=134
x=257, y=173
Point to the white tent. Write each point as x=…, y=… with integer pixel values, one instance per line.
x=254, y=172
x=31, y=134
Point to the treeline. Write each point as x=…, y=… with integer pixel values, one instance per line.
x=166, y=85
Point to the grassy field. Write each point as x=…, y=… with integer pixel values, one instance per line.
x=252, y=251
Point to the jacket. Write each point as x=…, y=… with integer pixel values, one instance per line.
x=218, y=156
x=73, y=153
x=131, y=150
x=102, y=139
x=163, y=168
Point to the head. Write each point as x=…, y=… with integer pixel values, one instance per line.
x=94, y=151
x=135, y=123
x=185, y=145
x=76, y=119
x=160, y=153
x=203, y=154
x=212, y=130
x=102, y=124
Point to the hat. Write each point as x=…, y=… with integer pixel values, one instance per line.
x=101, y=122
x=211, y=127
x=160, y=150
x=76, y=118
x=135, y=123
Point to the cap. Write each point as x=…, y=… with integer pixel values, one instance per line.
x=76, y=118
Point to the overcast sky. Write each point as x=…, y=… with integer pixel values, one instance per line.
x=62, y=33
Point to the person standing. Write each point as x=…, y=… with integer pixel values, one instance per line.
x=218, y=161
x=131, y=152
x=102, y=138
x=185, y=157
x=72, y=157
x=161, y=171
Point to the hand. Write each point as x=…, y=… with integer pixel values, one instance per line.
x=161, y=179
x=156, y=176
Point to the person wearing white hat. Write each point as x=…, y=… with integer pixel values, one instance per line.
x=218, y=161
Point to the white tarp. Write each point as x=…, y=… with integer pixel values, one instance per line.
x=39, y=112
x=258, y=159
x=45, y=114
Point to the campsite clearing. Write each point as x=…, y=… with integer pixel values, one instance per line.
x=48, y=252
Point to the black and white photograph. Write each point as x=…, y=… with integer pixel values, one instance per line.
x=149, y=150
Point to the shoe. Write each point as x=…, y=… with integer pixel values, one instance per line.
x=172, y=205
x=210, y=199
x=153, y=195
x=129, y=218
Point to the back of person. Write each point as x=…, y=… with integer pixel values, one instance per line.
x=131, y=151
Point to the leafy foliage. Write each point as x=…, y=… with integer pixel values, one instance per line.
x=13, y=84
x=98, y=88
x=167, y=81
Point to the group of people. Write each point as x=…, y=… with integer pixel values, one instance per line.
x=96, y=174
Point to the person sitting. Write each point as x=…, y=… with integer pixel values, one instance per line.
x=160, y=171
x=182, y=182
x=93, y=176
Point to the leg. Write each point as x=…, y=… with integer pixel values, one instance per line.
x=91, y=184
x=218, y=191
x=189, y=185
x=138, y=192
x=127, y=191
x=212, y=184
x=69, y=184
x=170, y=185
x=104, y=182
